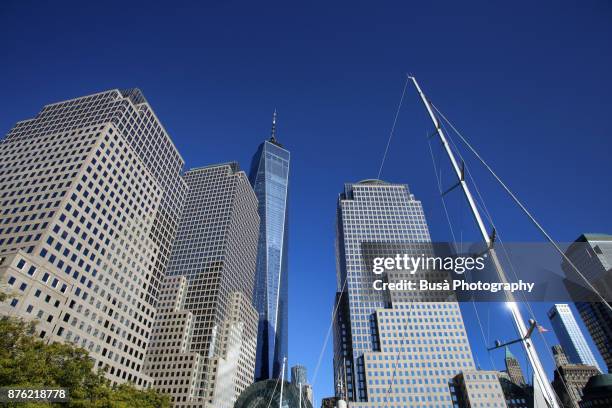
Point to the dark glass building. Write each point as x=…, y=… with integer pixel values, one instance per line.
x=592, y=255
x=270, y=179
x=598, y=392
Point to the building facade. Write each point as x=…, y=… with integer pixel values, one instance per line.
x=84, y=186
x=516, y=396
x=208, y=326
x=592, y=255
x=570, y=336
x=299, y=378
x=559, y=355
x=597, y=393
x=299, y=374
x=475, y=388
x=329, y=402
x=269, y=177
x=569, y=383
x=513, y=368
x=390, y=350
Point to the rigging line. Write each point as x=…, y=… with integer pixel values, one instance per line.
x=346, y=277
x=455, y=245
x=481, y=202
x=273, y=391
x=333, y=319
x=399, y=107
x=525, y=210
x=488, y=324
x=450, y=225
x=513, y=270
x=402, y=342
x=532, y=313
x=452, y=231
x=396, y=362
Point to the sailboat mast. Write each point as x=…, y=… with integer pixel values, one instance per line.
x=538, y=369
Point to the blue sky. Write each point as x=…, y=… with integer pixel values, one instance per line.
x=528, y=83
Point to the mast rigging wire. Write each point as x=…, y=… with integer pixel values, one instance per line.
x=399, y=107
x=450, y=225
x=346, y=278
x=522, y=207
x=481, y=202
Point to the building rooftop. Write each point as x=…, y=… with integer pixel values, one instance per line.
x=594, y=237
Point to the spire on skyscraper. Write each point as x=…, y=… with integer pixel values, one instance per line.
x=273, y=133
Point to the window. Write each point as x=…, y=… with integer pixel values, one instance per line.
x=14, y=302
x=21, y=264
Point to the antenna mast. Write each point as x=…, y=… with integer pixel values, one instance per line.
x=273, y=132
x=538, y=370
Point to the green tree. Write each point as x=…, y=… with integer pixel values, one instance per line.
x=26, y=361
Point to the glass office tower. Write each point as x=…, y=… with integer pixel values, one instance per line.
x=390, y=349
x=270, y=179
x=592, y=255
x=570, y=336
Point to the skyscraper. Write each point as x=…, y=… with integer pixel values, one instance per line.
x=270, y=179
x=559, y=355
x=390, y=351
x=203, y=344
x=592, y=255
x=517, y=396
x=299, y=378
x=513, y=368
x=90, y=195
x=299, y=375
x=570, y=336
x=597, y=392
x=475, y=388
x=570, y=381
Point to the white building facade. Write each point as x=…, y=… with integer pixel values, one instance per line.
x=90, y=194
x=398, y=349
x=204, y=343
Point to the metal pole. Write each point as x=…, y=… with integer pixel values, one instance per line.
x=300, y=385
x=539, y=373
x=280, y=400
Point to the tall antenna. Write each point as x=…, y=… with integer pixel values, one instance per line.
x=538, y=371
x=273, y=133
